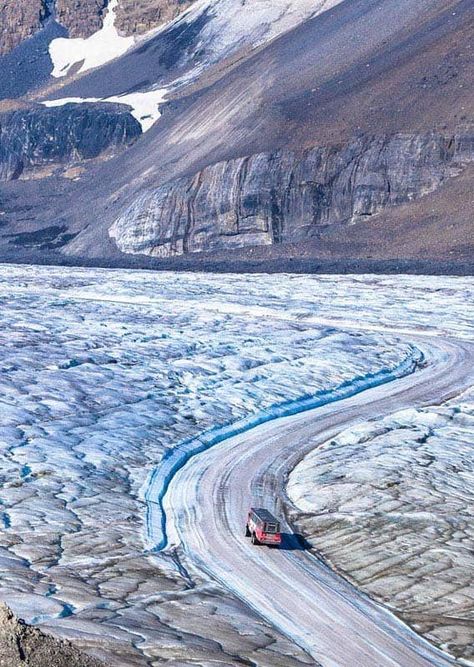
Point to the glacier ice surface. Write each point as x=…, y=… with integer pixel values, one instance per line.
x=104, y=372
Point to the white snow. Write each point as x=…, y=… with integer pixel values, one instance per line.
x=145, y=106
x=94, y=51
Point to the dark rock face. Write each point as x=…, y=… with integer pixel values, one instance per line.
x=49, y=238
x=81, y=19
x=18, y=21
x=42, y=136
x=286, y=196
x=135, y=17
x=21, y=644
x=28, y=66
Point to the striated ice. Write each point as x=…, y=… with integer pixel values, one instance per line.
x=391, y=504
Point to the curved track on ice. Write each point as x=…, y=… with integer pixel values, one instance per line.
x=208, y=498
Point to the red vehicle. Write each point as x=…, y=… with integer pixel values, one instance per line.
x=262, y=527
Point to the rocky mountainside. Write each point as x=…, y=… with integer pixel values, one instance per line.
x=21, y=646
x=21, y=19
x=288, y=196
x=81, y=19
x=293, y=126
x=38, y=136
x=18, y=21
x=136, y=17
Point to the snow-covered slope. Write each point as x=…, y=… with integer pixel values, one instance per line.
x=232, y=26
x=210, y=31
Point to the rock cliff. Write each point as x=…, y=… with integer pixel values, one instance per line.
x=23, y=18
x=37, y=136
x=81, y=19
x=84, y=18
x=22, y=645
x=135, y=17
x=18, y=21
x=288, y=196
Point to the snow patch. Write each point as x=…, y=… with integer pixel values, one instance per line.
x=94, y=51
x=145, y=106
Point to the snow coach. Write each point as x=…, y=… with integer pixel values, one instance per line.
x=263, y=527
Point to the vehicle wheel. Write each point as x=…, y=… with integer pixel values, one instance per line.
x=247, y=531
x=254, y=539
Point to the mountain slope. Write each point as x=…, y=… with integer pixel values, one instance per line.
x=30, y=30
x=362, y=82
x=23, y=645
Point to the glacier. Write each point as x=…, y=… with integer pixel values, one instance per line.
x=106, y=372
x=390, y=503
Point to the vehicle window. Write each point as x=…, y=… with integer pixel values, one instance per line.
x=271, y=528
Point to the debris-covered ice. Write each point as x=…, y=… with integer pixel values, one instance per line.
x=391, y=503
x=104, y=372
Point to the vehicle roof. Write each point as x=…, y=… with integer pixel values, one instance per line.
x=264, y=514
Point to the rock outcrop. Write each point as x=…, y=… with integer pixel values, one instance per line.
x=287, y=196
x=23, y=18
x=38, y=136
x=81, y=19
x=18, y=21
x=22, y=645
x=135, y=17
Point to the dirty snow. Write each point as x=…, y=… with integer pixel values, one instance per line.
x=391, y=503
x=233, y=25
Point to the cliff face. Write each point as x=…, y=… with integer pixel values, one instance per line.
x=285, y=196
x=21, y=19
x=82, y=18
x=39, y=136
x=135, y=17
x=18, y=21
